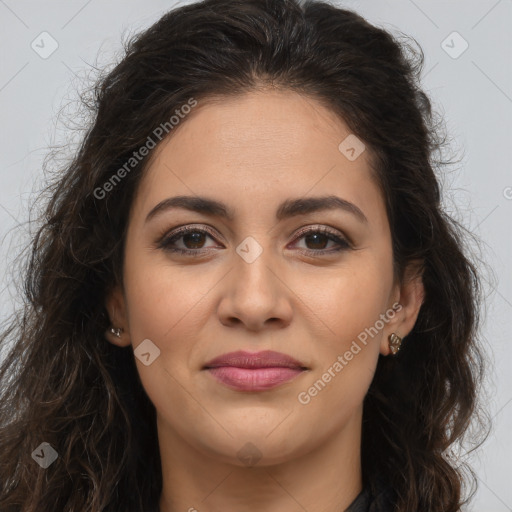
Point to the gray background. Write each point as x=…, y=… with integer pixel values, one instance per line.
x=473, y=92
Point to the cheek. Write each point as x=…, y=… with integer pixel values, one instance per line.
x=352, y=298
x=347, y=354
x=159, y=309
x=162, y=300
x=163, y=306
x=347, y=312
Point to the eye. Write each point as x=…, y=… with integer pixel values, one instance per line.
x=318, y=237
x=191, y=237
x=192, y=240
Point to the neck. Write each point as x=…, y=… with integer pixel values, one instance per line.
x=325, y=479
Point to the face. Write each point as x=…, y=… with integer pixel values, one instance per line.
x=309, y=281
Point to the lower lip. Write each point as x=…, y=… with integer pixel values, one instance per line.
x=257, y=379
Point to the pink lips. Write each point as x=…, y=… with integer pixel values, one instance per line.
x=247, y=371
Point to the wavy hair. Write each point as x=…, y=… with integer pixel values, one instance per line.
x=64, y=384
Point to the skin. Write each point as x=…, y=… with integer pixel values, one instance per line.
x=253, y=152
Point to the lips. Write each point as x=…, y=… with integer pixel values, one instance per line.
x=264, y=359
x=245, y=371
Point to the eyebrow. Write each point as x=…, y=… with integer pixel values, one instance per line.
x=289, y=208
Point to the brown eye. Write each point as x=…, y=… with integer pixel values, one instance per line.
x=317, y=239
x=192, y=241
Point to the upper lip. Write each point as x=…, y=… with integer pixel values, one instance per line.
x=264, y=359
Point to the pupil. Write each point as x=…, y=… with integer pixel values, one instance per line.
x=196, y=238
x=316, y=236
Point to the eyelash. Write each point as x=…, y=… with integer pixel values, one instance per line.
x=165, y=241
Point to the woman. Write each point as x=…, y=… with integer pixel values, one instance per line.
x=244, y=294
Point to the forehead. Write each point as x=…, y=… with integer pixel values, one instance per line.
x=257, y=147
x=278, y=125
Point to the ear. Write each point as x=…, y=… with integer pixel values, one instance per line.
x=116, y=308
x=409, y=295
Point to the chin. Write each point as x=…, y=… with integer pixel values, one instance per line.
x=256, y=446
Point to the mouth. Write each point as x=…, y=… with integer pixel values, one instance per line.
x=244, y=371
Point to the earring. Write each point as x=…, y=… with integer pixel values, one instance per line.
x=116, y=331
x=394, y=343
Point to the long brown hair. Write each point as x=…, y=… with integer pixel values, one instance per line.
x=64, y=384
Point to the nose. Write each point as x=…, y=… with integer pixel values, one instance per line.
x=255, y=296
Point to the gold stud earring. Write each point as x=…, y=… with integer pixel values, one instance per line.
x=116, y=331
x=394, y=343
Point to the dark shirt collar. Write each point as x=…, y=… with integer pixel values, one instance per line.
x=362, y=502
x=375, y=497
